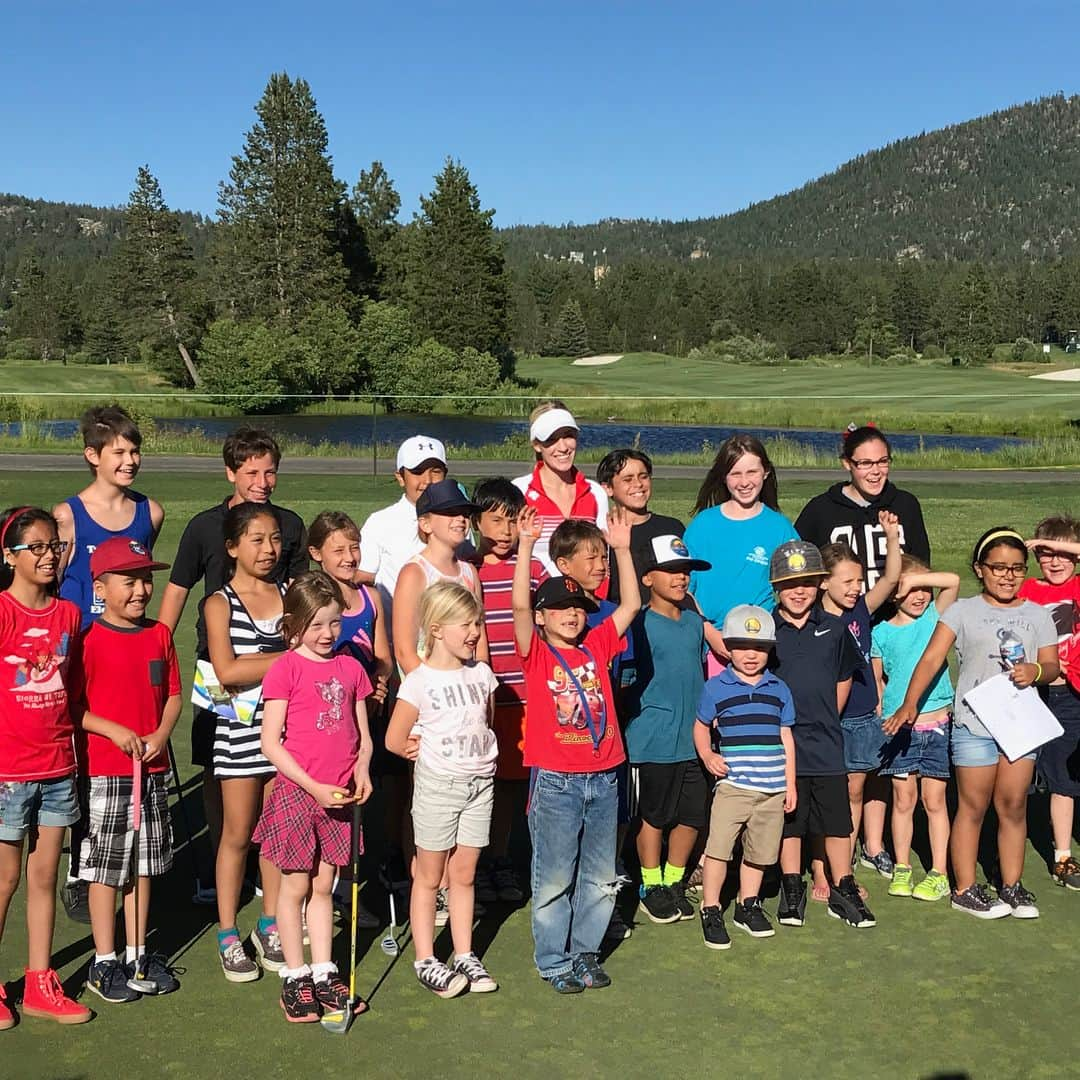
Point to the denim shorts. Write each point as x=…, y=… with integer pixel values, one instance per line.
x=863, y=742
x=26, y=804
x=971, y=750
x=1059, y=759
x=923, y=752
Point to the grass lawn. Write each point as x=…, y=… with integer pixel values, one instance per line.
x=926, y=993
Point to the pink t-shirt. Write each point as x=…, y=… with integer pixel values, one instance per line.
x=320, y=722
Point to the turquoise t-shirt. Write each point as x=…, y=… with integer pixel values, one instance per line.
x=739, y=552
x=900, y=648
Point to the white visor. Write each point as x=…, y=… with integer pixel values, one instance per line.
x=546, y=424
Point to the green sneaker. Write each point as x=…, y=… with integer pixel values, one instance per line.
x=901, y=881
x=934, y=886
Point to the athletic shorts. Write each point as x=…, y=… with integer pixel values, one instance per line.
x=669, y=793
x=823, y=808
x=451, y=810
x=26, y=804
x=295, y=833
x=107, y=849
x=203, y=726
x=508, y=724
x=1059, y=759
x=758, y=815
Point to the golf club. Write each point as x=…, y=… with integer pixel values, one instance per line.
x=202, y=894
x=339, y=1021
x=389, y=944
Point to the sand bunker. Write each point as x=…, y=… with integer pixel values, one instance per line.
x=606, y=358
x=1068, y=375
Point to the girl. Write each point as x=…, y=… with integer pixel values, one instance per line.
x=442, y=721
x=38, y=633
x=921, y=752
x=983, y=628
x=555, y=488
x=849, y=510
x=315, y=732
x=243, y=630
x=841, y=595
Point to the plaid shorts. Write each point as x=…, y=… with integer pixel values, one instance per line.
x=106, y=851
x=296, y=833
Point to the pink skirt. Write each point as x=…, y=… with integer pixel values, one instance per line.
x=296, y=833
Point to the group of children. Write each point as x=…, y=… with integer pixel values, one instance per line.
x=478, y=657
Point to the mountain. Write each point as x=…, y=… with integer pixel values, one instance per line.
x=1003, y=187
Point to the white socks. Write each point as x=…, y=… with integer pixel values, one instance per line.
x=1061, y=854
x=294, y=973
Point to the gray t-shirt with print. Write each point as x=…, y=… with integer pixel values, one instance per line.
x=978, y=647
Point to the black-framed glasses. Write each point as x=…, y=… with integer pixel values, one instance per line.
x=39, y=547
x=863, y=464
x=1006, y=569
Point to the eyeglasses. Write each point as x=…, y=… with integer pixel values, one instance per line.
x=1050, y=554
x=864, y=464
x=39, y=547
x=1006, y=569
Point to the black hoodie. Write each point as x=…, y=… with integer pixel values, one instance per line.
x=832, y=516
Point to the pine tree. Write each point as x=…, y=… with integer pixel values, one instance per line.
x=569, y=335
x=376, y=204
x=103, y=342
x=157, y=271
x=280, y=210
x=43, y=310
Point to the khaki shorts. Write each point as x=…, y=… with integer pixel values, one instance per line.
x=759, y=812
x=449, y=810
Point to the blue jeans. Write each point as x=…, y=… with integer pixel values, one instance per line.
x=572, y=821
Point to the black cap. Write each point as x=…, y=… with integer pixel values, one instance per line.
x=444, y=497
x=563, y=592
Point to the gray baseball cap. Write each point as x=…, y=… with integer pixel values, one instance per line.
x=749, y=624
x=795, y=559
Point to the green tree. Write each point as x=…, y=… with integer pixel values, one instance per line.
x=385, y=334
x=874, y=335
x=281, y=211
x=103, y=341
x=430, y=372
x=247, y=364
x=43, y=310
x=331, y=344
x=376, y=204
x=569, y=335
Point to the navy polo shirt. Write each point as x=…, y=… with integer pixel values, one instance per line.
x=812, y=660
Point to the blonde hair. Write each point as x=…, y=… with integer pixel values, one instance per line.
x=446, y=603
x=310, y=592
x=911, y=564
x=540, y=409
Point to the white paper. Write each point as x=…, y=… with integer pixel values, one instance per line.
x=1018, y=719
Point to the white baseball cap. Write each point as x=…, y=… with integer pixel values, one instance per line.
x=546, y=424
x=670, y=553
x=751, y=624
x=414, y=451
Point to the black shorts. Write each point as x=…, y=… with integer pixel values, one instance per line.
x=670, y=793
x=1059, y=759
x=203, y=726
x=383, y=762
x=823, y=808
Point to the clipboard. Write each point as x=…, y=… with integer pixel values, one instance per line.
x=1019, y=720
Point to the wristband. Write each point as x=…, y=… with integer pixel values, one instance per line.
x=1038, y=672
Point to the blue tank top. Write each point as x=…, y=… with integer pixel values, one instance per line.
x=78, y=585
x=357, y=636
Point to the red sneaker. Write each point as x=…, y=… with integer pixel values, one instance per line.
x=7, y=1015
x=45, y=997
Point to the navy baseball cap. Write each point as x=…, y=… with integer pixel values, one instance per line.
x=444, y=497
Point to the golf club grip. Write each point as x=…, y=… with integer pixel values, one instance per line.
x=136, y=793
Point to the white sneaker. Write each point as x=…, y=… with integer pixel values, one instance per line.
x=480, y=982
x=439, y=979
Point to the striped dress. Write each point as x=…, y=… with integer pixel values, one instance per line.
x=237, y=751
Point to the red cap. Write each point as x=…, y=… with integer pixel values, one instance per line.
x=120, y=553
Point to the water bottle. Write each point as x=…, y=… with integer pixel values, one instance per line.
x=1010, y=647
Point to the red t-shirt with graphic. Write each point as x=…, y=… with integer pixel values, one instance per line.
x=1063, y=603
x=40, y=651
x=557, y=733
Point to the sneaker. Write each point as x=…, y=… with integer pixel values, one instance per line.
x=750, y=916
x=152, y=974
x=566, y=983
x=881, y=862
x=298, y=1000
x=236, y=964
x=1020, y=900
x=7, y=1013
x=618, y=929
x=901, y=881
x=439, y=979
x=506, y=883
x=792, y=909
x=44, y=997
x=268, y=948
x=846, y=904
x=442, y=907
x=658, y=902
x=976, y=900
x=1066, y=872
x=587, y=968
x=75, y=896
x=480, y=982
x=332, y=993
x=713, y=929
x=484, y=885
x=108, y=979
x=934, y=886
x=682, y=901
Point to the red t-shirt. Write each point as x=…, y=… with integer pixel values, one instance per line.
x=557, y=733
x=128, y=674
x=1063, y=602
x=497, y=580
x=40, y=651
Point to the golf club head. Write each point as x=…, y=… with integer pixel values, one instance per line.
x=339, y=1021
x=389, y=945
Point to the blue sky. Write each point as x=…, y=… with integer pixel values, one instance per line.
x=561, y=111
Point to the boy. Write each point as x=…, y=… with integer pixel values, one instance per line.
x=129, y=702
x=498, y=506
x=816, y=657
x=572, y=741
x=660, y=708
x=626, y=477
x=106, y=507
x=743, y=737
x=1057, y=547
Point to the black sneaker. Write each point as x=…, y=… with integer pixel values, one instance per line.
x=713, y=929
x=678, y=892
x=439, y=979
x=484, y=885
x=618, y=929
x=298, y=1000
x=587, y=968
x=332, y=993
x=110, y=982
x=151, y=974
x=658, y=902
x=792, y=909
x=750, y=917
x=846, y=904
x=1019, y=900
x=75, y=896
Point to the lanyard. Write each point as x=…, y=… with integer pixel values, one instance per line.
x=596, y=732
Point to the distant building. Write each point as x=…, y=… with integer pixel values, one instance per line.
x=577, y=257
x=699, y=253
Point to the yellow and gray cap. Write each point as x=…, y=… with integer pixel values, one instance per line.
x=749, y=624
x=795, y=559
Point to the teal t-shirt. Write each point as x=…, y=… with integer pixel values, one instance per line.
x=739, y=552
x=661, y=705
x=900, y=648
